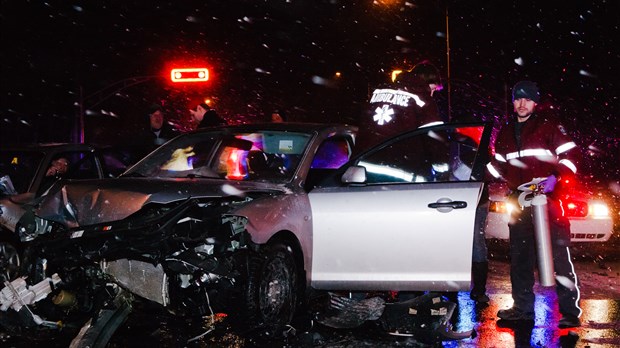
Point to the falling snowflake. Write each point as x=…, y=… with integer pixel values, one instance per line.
x=519, y=61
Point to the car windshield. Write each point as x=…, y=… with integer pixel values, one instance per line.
x=20, y=166
x=258, y=155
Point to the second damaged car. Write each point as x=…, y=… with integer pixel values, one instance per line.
x=246, y=219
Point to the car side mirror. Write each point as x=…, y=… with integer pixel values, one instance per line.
x=354, y=175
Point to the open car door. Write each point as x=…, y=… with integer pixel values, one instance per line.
x=402, y=217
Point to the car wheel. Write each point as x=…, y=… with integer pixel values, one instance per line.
x=10, y=260
x=272, y=288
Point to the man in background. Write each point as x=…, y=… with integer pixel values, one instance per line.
x=157, y=132
x=400, y=106
x=204, y=116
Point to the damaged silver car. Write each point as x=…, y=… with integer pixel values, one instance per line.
x=246, y=219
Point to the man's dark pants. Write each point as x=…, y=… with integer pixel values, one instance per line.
x=523, y=259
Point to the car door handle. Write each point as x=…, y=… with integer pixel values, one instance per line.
x=445, y=206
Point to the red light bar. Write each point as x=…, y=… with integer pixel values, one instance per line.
x=189, y=75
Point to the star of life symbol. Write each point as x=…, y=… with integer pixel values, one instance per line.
x=383, y=115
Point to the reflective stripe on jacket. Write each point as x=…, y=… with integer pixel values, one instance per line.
x=545, y=149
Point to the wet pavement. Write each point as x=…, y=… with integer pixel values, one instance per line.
x=600, y=302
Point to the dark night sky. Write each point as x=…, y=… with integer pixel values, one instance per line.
x=283, y=54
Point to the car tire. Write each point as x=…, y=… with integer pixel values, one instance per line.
x=10, y=259
x=272, y=289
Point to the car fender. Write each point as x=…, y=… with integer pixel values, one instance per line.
x=271, y=214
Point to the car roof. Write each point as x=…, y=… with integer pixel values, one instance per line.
x=284, y=126
x=47, y=147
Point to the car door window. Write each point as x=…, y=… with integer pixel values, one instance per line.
x=114, y=161
x=439, y=155
x=79, y=165
x=331, y=155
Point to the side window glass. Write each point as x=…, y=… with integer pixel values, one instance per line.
x=434, y=156
x=81, y=165
x=332, y=154
x=69, y=165
x=114, y=162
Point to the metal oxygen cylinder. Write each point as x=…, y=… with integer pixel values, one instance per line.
x=543, y=240
x=532, y=195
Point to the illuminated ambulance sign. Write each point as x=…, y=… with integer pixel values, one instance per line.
x=189, y=75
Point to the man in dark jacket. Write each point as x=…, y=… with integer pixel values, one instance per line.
x=156, y=133
x=403, y=105
x=535, y=146
x=205, y=116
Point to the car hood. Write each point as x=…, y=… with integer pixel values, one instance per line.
x=97, y=201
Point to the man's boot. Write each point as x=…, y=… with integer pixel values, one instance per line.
x=479, y=272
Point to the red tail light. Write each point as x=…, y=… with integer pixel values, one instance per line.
x=575, y=208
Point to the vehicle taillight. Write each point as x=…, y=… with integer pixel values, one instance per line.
x=575, y=209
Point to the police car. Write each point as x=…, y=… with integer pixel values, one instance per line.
x=587, y=210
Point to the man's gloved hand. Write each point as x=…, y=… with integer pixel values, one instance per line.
x=549, y=184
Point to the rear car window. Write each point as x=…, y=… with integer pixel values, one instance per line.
x=21, y=166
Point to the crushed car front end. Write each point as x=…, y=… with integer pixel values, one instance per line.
x=188, y=247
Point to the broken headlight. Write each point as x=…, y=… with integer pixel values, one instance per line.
x=30, y=226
